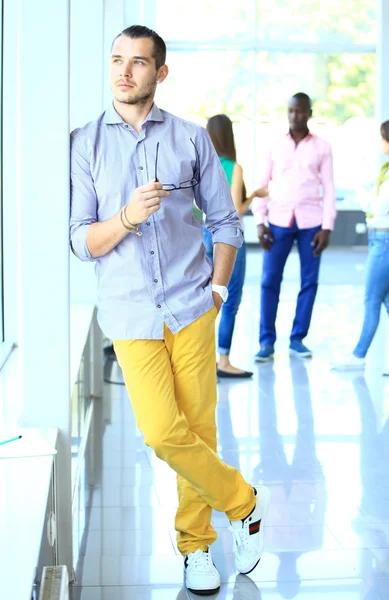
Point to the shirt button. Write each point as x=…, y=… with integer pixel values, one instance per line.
x=140, y=168
x=148, y=224
x=158, y=306
x=155, y=280
x=151, y=251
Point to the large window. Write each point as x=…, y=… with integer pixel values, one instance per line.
x=247, y=59
x=299, y=21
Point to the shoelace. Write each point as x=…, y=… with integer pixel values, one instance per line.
x=200, y=559
x=241, y=536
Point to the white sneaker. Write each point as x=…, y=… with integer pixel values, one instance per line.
x=248, y=533
x=200, y=574
x=348, y=362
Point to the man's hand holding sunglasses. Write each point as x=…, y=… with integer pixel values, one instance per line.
x=145, y=201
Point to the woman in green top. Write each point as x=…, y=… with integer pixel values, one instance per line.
x=221, y=133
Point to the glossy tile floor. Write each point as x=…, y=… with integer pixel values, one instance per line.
x=318, y=439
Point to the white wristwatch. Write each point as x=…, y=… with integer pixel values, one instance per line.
x=221, y=290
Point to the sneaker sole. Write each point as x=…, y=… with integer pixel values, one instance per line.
x=252, y=569
x=264, y=360
x=300, y=354
x=203, y=592
x=263, y=519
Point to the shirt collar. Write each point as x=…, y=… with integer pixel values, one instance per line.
x=155, y=115
x=307, y=137
x=111, y=117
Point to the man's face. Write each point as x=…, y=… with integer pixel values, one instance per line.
x=384, y=146
x=133, y=71
x=299, y=112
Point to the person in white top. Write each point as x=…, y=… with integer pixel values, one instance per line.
x=375, y=203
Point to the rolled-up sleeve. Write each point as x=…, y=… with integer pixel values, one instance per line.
x=83, y=199
x=213, y=196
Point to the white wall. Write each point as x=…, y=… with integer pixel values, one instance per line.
x=42, y=137
x=10, y=107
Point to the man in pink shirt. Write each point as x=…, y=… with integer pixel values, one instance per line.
x=302, y=209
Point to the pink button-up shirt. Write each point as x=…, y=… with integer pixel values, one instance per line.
x=302, y=184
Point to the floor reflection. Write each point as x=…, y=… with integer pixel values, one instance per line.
x=297, y=485
x=373, y=525
x=318, y=440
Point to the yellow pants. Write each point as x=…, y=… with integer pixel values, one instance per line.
x=172, y=388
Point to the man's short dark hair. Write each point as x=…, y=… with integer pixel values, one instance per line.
x=385, y=131
x=140, y=31
x=303, y=97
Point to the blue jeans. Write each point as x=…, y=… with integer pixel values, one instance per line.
x=273, y=267
x=235, y=289
x=376, y=288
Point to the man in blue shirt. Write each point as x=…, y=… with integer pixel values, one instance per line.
x=135, y=173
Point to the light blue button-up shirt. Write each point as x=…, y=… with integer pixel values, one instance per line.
x=162, y=276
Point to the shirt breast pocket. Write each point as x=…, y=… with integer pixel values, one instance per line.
x=179, y=176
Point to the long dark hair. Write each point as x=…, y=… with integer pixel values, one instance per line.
x=221, y=133
x=385, y=131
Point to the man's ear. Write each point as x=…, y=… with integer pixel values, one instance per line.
x=162, y=73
